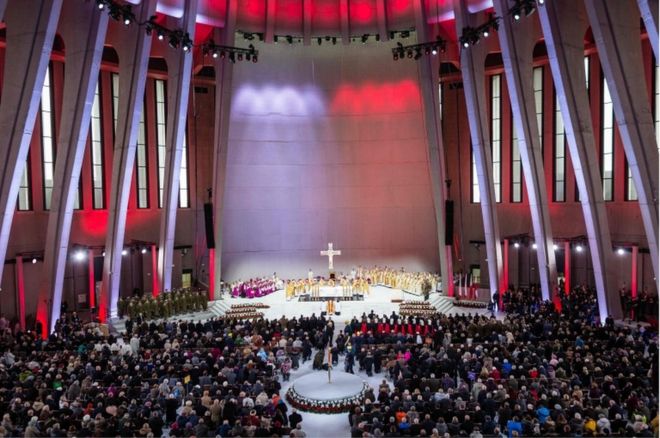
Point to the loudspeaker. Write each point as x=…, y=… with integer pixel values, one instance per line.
x=208, y=222
x=98, y=269
x=449, y=222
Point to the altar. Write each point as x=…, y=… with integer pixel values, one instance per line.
x=333, y=292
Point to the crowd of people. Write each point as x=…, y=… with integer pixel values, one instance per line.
x=545, y=372
x=165, y=305
x=540, y=371
x=217, y=378
x=254, y=288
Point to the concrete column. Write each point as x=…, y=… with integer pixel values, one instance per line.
x=633, y=271
x=154, y=271
x=427, y=68
x=31, y=26
x=179, y=71
x=473, y=72
x=91, y=278
x=133, y=47
x=567, y=267
x=615, y=25
x=83, y=28
x=564, y=24
x=20, y=290
x=517, y=42
x=3, y=7
x=649, y=12
x=223, y=89
x=505, y=268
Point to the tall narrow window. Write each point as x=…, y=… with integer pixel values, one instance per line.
x=516, y=167
x=656, y=101
x=47, y=139
x=184, y=198
x=96, y=143
x=161, y=146
x=115, y=98
x=141, y=165
x=496, y=132
x=476, y=198
x=607, y=142
x=440, y=96
x=24, y=192
x=559, y=164
x=538, y=101
x=587, y=72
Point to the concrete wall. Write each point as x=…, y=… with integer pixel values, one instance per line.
x=326, y=145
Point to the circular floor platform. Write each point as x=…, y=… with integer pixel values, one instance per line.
x=313, y=392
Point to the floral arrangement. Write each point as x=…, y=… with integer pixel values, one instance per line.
x=335, y=406
x=416, y=308
x=243, y=314
x=250, y=306
x=471, y=304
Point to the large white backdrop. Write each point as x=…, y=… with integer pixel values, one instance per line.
x=326, y=144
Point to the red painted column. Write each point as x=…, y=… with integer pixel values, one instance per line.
x=154, y=271
x=211, y=274
x=92, y=283
x=20, y=287
x=505, y=266
x=633, y=274
x=567, y=267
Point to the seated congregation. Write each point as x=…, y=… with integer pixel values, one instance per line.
x=546, y=372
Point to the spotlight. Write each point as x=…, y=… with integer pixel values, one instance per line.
x=578, y=248
x=555, y=247
x=516, y=245
x=161, y=35
x=232, y=57
x=127, y=20
x=534, y=246
x=327, y=38
x=79, y=255
x=222, y=54
x=240, y=56
x=395, y=56
x=434, y=51
x=34, y=259
x=254, y=58
x=410, y=53
x=247, y=56
x=144, y=250
x=485, y=34
x=466, y=44
x=103, y=253
x=275, y=39
x=319, y=40
x=124, y=252
x=516, y=16
x=540, y=2
x=289, y=39
x=365, y=38
x=100, y=4
x=621, y=251
x=215, y=54
x=418, y=53
x=334, y=40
